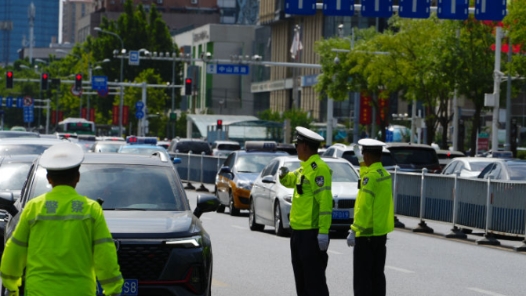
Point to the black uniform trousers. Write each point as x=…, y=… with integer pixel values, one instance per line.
x=369, y=263
x=308, y=263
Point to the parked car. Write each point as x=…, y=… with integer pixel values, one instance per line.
x=106, y=146
x=14, y=146
x=347, y=152
x=468, y=167
x=186, y=145
x=224, y=148
x=414, y=157
x=270, y=201
x=161, y=244
x=237, y=174
x=505, y=169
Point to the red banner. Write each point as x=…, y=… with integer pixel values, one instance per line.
x=383, y=109
x=83, y=112
x=115, y=115
x=366, y=110
x=54, y=116
x=92, y=114
x=125, y=114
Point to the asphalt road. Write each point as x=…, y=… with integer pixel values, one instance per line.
x=258, y=263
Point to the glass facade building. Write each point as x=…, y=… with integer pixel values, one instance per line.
x=14, y=31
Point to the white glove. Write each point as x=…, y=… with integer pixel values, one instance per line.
x=323, y=241
x=351, y=239
x=283, y=171
x=358, y=153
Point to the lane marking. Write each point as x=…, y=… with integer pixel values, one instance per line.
x=485, y=292
x=399, y=269
x=334, y=252
x=239, y=227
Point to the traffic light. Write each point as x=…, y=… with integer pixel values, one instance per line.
x=219, y=124
x=44, y=81
x=188, y=87
x=78, y=82
x=9, y=79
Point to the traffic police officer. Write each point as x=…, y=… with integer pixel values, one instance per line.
x=373, y=220
x=310, y=215
x=61, y=240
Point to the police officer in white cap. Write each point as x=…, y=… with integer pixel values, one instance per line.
x=310, y=215
x=61, y=240
x=373, y=220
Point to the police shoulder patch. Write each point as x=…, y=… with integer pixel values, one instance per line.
x=365, y=180
x=319, y=181
x=313, y=165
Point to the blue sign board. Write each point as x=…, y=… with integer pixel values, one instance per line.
x=453, y=9
x=19, y=102
x=139, y=114
x=338, y=7
x=309, y=80
x=414, y=8
x=9, y=102
x=133, y=58
x=28, y=113
x=139, y=105
x=99, y=82
x=490, y=10
x=229, y=69
x=300, y=7
x=377, y=8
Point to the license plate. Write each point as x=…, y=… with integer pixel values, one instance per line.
x=340, y=215
x=129, y=288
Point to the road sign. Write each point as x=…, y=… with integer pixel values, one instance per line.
x=490, y=10
x=139, y=105
x=9, y=102
x=99, y=82
x=29, y=113
x=19, y=102
x=338, y=7
x=76, y=92
x=139, y=114
x=133, y=58
x=414, y=8
x=229, y=69
x=300, y=7
x=377, y=8
x=453, y=9
x=28, y=101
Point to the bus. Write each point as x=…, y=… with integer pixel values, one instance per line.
x=79, y=126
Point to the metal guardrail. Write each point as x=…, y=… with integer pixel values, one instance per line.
x=496, y=207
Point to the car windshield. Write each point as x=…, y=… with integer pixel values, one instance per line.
x=109, y=147
x=341, y=172
x=16, y=149
x=253, y=163
x=13, y=175
x=517, y=171
x=413, y=156
x=143, y=150
x=478, y=166
x=125, y=187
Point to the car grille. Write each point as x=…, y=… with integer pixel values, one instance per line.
x=142, y=262
x=344, y=204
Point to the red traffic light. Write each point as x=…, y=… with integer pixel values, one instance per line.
x=188, y=86
x=9, y=74
x=9, y=79
x=78, y=77
x=44, y=76
x=188, y=80
x=219, y=124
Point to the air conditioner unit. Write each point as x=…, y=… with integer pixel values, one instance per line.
x=193, y=1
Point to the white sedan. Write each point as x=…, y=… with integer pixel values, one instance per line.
x=270, y=201
x=467, y=167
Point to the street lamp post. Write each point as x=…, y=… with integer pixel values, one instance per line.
x=122, y=65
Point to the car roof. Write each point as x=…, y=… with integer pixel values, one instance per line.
x=244, y=152
x=29, y=141
x=145, y=146
x=18, y=158
x=122, y=158
x=326, y=159
x=399, y=144
x=18, y=134
x=110, y=142
x=226, y=142
x=475, y=159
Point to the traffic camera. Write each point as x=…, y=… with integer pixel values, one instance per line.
x=44, y=81
x=9, y=79
x=188, y=87
x=78, y=82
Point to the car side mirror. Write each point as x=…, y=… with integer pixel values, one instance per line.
x=205, y=203
x=225, y=170
x=268, y=179
x=7, y=201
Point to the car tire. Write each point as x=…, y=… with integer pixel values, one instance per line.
x=252, y=219
x=278, y=221
x=233, y=210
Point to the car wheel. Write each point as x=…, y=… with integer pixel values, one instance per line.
x=252, y=219
x=278, y=223
x=231, y=206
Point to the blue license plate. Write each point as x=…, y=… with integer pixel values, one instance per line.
x=340, y=215
x=129, y=288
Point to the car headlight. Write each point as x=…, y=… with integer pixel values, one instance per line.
x=186, y=242
x=244, y=185
x=288, y=198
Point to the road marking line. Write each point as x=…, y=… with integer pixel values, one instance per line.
x=399, y=269
x=485, y=292
x=239, y=227
x=334, y=252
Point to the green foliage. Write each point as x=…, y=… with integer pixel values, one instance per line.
x=297, y=118
x=180, y=126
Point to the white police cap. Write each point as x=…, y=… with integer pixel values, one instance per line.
x=62, y=156
x=371, y=144
x=305, y=134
